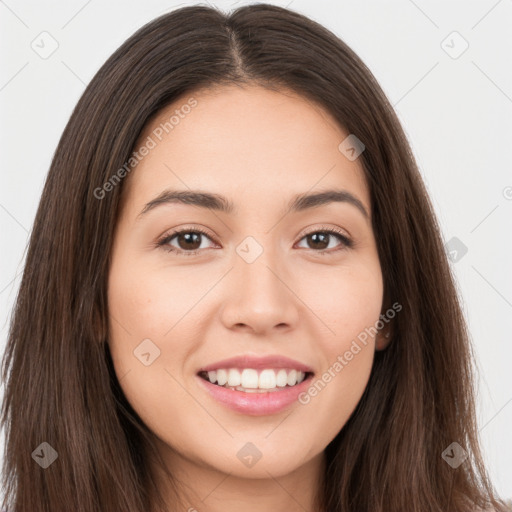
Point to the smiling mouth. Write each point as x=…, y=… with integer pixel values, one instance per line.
x=250, y=380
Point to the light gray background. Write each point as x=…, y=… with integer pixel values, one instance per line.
x=455, y=111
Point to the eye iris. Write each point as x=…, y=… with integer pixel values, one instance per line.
x=193, y=240
x=315, y=237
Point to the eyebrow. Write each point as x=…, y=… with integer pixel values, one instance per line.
x=219, y=203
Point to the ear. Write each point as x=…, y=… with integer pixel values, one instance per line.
x=100, y=328
x=384, y=337
x=385, y=334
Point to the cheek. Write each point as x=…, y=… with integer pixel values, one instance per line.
x=146, y=329
x=144, y=315
x=140, y=300
x=147, y=301
x=346, y=300
x=334, y=393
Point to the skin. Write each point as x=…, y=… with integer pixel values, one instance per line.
x=256, y=147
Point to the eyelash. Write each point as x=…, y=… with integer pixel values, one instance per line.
x=163, y=242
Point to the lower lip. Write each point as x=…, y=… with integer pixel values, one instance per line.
x=256, y=404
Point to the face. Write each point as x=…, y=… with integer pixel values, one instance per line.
x=268, y=292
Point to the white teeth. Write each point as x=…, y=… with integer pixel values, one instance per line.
x=222, y=377
x=267, y=379
x=292, y=378
x=234, y=378
x=249, y=379
x=281, y=378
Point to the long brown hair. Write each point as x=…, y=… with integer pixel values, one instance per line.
x=60, y=385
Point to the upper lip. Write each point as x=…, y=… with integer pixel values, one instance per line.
x=258, y=363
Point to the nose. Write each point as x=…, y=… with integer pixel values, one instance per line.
x=259, y=296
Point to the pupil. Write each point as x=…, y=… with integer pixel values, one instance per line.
x=316, y=236
x=189, y=238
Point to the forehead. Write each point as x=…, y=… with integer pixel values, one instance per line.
x=247, y=143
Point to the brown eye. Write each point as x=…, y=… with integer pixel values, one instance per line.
x=186, y=242
x=189, y=240
x=320, y=241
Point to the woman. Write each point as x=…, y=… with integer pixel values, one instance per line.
x=236, y=293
